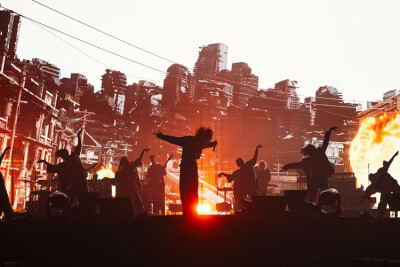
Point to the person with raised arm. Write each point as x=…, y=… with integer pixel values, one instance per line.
x=127, y=182
x=245, y=179
x=316, y=166
x=71, y=173
x=192, y=147
x=384, y=183
x=155, y=177
x=5, y=206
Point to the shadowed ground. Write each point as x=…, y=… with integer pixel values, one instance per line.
x=209, y=240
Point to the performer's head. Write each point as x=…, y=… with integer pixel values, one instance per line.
x=204, y=134
x=62, y=153
x=240, y=162
x=262, y=165
x=308, y=150
x=152, y=159
x=123, y=162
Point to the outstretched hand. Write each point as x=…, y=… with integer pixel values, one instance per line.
x=259, y=146
x=397, y=153
x=8, y=148
x=215, y=143
x=334, y=128
x=158, y=133
x=41, y=161
x=146, y=149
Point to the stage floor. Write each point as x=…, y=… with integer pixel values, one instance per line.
x=207, y=240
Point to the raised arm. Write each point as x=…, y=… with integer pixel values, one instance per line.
x=4, y=153
x=254, y=159
x=391, y=160
x=170, y=139
x=138, y=161
x=327, y=137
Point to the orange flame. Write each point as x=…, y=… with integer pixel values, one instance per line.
x=377, y=139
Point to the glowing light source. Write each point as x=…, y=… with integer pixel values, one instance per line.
x=203, y=208
x=105, y=173
x=377, y=139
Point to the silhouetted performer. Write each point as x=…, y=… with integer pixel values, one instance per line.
x=263, y=177
x=70, y=172
x=316, y=166
x=192, y=147
x=384, y=183
x=245, y=179
x=155, y=176
x=5, y=205
x=127, y=182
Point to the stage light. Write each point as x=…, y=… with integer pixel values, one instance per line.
x=203, y=208
x=105, y=173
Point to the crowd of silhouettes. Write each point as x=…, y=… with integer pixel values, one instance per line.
x=249, y=180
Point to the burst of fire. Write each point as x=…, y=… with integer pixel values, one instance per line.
x=105, y=173
x=377, y=139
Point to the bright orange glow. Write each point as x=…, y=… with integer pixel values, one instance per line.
x=105, y=173
x=203, y=208
x=377, y=139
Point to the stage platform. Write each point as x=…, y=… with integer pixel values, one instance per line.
x=206, y=240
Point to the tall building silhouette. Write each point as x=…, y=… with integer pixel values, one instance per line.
x=289, y=88
x=211, y=61
x=9, y=30
x=177, y=85
x=114, y=86
x=245, y=84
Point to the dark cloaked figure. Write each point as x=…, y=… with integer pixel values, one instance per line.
x=316, y=166
x=155, y=176
x=71, y=174
x=245, y=179
x=127, y=182
x=5, y=205
x=382, y=182
x=192, y=147
x=263, y=177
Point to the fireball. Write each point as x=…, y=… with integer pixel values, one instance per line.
x=377, y=139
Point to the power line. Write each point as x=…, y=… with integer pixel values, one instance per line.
x=139, y=63
x=85, y=42
x=157, y=55
x=103, y=32
x=83, y=52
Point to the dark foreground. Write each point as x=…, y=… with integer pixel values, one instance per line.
x=209, y=240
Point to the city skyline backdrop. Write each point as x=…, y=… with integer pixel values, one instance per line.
x=352, y=46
